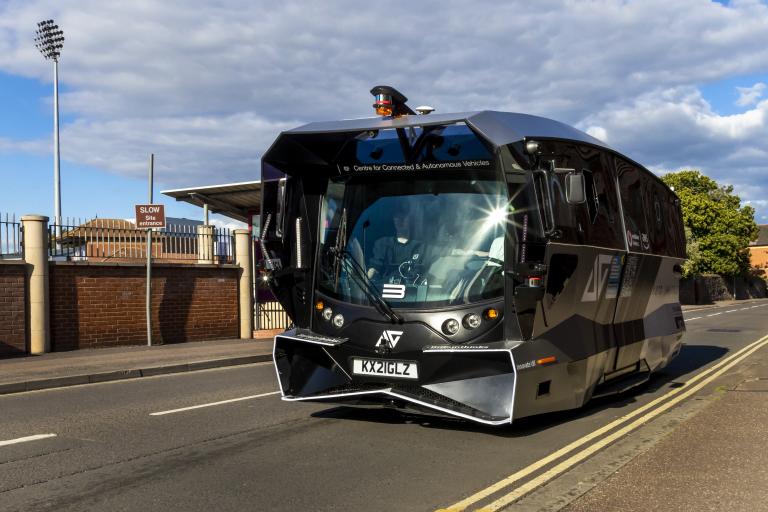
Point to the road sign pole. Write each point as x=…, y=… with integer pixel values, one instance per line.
x=149, y=256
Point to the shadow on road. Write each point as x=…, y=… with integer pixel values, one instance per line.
x=690, y=359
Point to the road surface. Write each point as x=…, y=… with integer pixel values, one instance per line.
x=223, y=440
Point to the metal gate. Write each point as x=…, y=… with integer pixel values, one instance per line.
x=272, y=316
x=267, y=312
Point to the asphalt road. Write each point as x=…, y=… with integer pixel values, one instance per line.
x=106, y=448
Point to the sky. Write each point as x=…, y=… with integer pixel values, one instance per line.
x=209, y=86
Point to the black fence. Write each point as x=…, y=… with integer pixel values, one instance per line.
x=10, y=237
x=271, y=315
x=116, y=240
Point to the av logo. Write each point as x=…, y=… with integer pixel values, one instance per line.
x=393, y=291
x=389, y=339
x=597, y=278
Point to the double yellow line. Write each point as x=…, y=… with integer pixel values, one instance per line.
x=690, y=387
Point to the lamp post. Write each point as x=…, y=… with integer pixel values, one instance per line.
x=50, y=41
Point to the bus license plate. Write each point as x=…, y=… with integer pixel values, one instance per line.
x=384, y=368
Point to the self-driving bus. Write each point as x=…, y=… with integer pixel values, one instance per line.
x=482, y=265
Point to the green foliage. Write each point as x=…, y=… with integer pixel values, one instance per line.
x=718, y=229
x=693, y=251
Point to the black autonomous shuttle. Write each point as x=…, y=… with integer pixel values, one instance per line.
x=482, y=265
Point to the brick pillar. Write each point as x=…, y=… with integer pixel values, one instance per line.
x=36, y=257
x=245, y=298
x=205, y=244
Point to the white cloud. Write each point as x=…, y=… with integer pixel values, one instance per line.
x=598, y=132
x=676, y=128
x=208, y=88
x=749, y=95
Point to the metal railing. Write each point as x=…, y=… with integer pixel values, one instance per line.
x=116, y=240
x=271, y=315
x=10, y=237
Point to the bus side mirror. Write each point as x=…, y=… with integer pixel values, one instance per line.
x=575, y=190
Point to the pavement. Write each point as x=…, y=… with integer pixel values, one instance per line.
x=60, y=369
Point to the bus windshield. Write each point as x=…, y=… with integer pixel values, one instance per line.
x=421, y=240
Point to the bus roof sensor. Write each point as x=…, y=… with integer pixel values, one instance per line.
x=390, y=102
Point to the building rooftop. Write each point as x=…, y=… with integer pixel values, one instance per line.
x=762, y=237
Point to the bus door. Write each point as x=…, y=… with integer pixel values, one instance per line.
x=640, y=266
x=290, y=212
x=584, y=260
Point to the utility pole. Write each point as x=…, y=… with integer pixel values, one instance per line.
x=149, y=255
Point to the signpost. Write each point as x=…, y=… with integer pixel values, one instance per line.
x=150, y=216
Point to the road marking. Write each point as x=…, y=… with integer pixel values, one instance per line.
x=575, y=459
x=716, y=307
x=725, y=364
x=26, y=439
x=231, y=400
x=720, y=313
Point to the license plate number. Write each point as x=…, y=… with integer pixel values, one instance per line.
x=384, y=368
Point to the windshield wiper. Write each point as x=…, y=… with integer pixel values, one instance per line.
x=340, y=247
x=358, y=274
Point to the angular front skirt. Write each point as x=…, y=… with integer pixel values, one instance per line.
x=474, y=383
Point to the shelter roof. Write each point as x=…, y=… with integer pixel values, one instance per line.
x=234, y=200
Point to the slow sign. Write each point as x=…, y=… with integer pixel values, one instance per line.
x=150, y=216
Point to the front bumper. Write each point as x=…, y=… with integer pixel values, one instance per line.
x=465, y=381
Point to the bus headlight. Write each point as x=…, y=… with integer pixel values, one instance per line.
x=327, y=314
x=338, y=321
x=472, y=321
x=451, y=326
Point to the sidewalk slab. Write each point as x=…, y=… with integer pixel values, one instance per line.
x=59, y=369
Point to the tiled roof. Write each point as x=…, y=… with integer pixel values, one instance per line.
x=762, y=238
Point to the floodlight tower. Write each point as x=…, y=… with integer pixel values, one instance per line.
x=50, y=41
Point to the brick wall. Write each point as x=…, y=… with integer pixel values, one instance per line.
x=13, y=333
x=103, y=305
x=758, y=256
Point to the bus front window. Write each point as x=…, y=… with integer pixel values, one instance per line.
x=423, y=241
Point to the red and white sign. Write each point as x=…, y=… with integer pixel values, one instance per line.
x=150, y=216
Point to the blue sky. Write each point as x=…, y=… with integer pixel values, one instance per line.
x=723, y=94
x=673, y=85
x=27, y=113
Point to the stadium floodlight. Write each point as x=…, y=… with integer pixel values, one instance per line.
x=50, y=41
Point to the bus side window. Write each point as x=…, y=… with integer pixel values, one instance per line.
x=631, y=186
x=544, y=199
x=675, y=232
x=653, y=214
x=602, y=203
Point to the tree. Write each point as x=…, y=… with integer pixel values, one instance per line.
x=718, y=228
x=692, y=249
